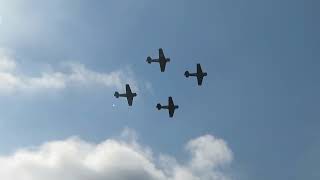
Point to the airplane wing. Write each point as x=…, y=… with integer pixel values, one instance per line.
x=130, y=100
x=129, y=95
x=161, y=54
x=171, y=107
x=170, y=101
x=162, y=60
x=162, y=65
x=199, y=69
x=200, y=78
x=171, y=111
x=128, y=89
x=199, y=74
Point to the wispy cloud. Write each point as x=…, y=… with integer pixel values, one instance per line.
x=117, y=159
x=70, y=74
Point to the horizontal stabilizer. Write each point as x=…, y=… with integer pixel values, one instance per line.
x=187, y=74
x=149, y=59
x=159, y=106
x=116, y=94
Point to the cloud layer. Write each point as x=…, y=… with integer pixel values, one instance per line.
x=72, y=74
x=116, y=159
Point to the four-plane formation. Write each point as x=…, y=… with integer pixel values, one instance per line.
x=162, y=60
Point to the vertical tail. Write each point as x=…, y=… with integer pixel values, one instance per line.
x=149, y=59
x=116, y=94
x=187, y=74
x=158, y=106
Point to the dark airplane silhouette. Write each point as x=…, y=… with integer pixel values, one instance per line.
x=129, y=95
x=162, y=60
x=199, y=74
x=171, y=107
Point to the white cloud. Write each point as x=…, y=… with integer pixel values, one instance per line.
x=116, y=159
x=6, y=63
x=74, y=74
x=208, y=155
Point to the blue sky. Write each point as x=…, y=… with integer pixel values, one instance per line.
x=260, y=96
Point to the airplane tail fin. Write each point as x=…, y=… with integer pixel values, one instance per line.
x=158, y=106
x=187, y=74
x=116, y=94
x=149, y=59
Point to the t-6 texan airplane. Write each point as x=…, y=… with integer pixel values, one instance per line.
x=162, y=60
x=129, y=95
x=199, y=74
x=171, y=107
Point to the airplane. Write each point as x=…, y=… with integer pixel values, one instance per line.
x=199, y=74
x=162, y=60
x=129, y=95
x=171, y=107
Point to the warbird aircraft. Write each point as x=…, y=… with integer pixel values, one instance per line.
x=171, y=107
x=199, y=74
x=129, y=95
x=162, y=60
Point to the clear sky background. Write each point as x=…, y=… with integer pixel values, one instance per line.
x=261, y=94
